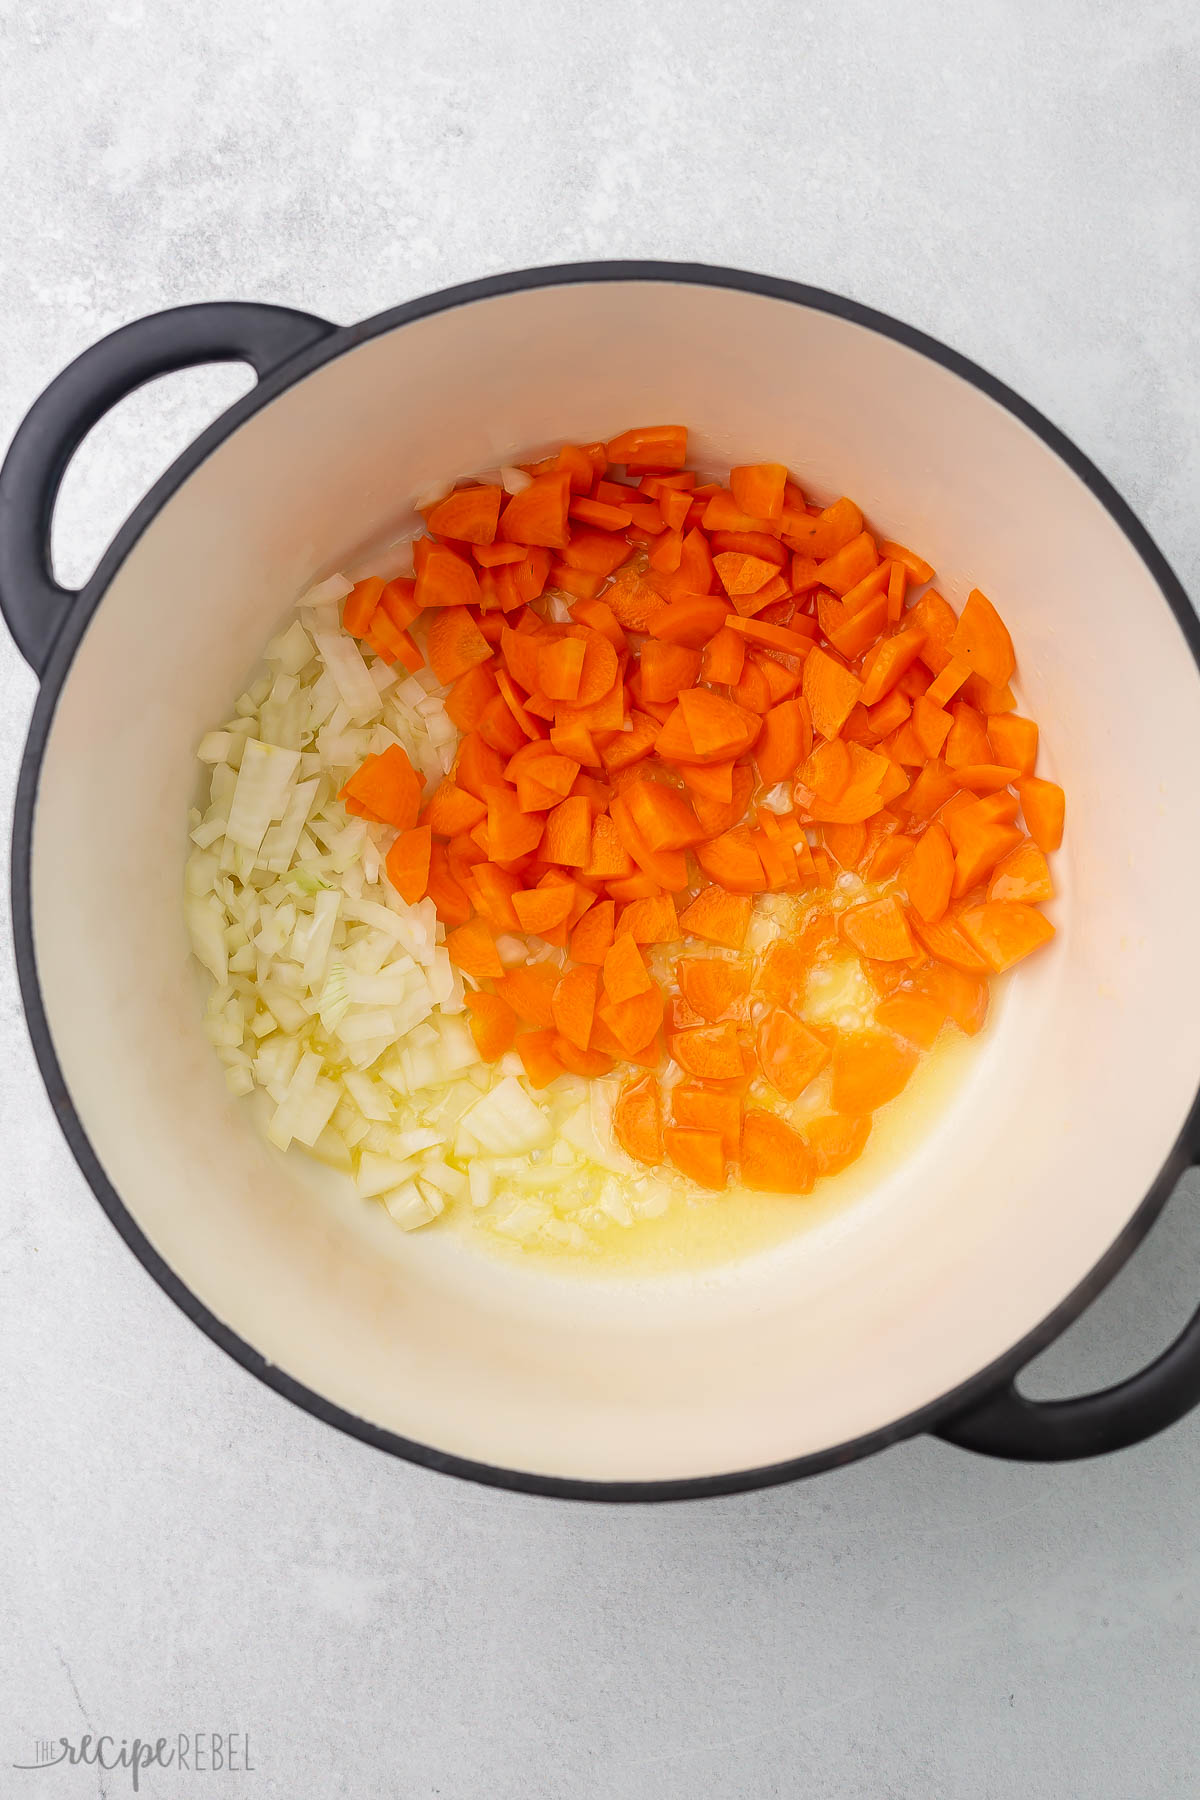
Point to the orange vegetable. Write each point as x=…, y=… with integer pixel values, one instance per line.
x=783, y=742
x=651, y=920
x=928, y=874
x=775, y=1159
x=668, y=868
x=448, y=896
x=591, y=1064
x=869, y=1069
x=879, y=930
x=529, y=990
x=493, y=892
x=574, y=1004
x=789, y=1054
x=453, y=809
x=944, y=686
x=932, y=725
x=386, y=788
x=665, y=668
x=886, y=663
x=360, y=605
x=699, y=1154
x=512, y=833
x=594, y=933
x=946, y=941
x=536, y=1051
x=707, y=1108
x=633, y=1023
x=690, y=620
x=1044, y=805
x=1004, y=931
x=625, y=973
x=722, y=658
x=711, y=1052
x=493, y=1024
x=637, y=1120
x=498, y=728
x=407, y=863
x=568, y=836
x=830, y=691
x=538, y=514
x=981, y=639
x=472, y=948
x=653, y=446
x=540, y=909
x=821, y=536
x=733, y=861
x=917, y=568
x=712, y=985
x=916, y=1017
x=836, y=1140
x=663, y=815
x=847, y=566
x=1024, y=874
x=961, y=995
x=470, y=695
x=979, y=849
x=468, y=515
x=967, y=741
x=444, y=578
x=1014, y=741
x=758, y=489
x=718, y=916
x=740, y=573
x=559, y=667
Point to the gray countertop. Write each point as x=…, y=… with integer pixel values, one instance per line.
x=182, y=1551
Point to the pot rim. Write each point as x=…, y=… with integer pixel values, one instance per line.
x=83, y=606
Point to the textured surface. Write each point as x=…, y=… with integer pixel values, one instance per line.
x=180, y=1550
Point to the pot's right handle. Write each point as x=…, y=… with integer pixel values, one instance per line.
x=33, y=603
x=1007, y=1424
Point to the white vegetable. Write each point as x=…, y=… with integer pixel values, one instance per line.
x=410, y=1207
x=506, y=1120
x=262, y=792
x=350, y=674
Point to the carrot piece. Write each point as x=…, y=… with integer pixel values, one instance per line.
x=928, y=873
x=869, y=1069
x=918, y=569
x=981, y=639
x=712, y=985
x=932, y=725
x=750, y=543
x=568, y=836
x=753, y=691
x=961, y=995
x=717, y=727
x=478, y=766
x=573, y=740
x=758, y=489
x=705, y=1108
x=407, y=863
x=386, y=789
x=733, y=860
x=625, y=973
x=444, y=578
x=536, y=1051
x=652, y=920
x=879, y=930
x=1044, y=805
x=711, y=1052
x=984, y=778
x=559, y=668
x=698, y=1154
x=932, y=788
x=468, y=515
x=916, y=1017
x=712, y=780
x=740, y=573
x=538, y=514
x=591, y=1064
x=609, y=859
x=896, y=589
x=775, y=1159
x=831, y=691
x=658, y=446
x=529, y=990
x=665, y=668
x=721, y=512
x=826, y=769
x=448, y=895
x=599, y=513
x=662, y=816
x=851, y=635
x=948, y=943
x=888, y=715
x=1014, y=741
x=789, y=1054
x=637, y=1120
x=783, y=674
x=826, y=533
x=722, y=659
x=594, y=933
x=601, y=617
x=847, y=566
x=452, y=810
x=845, y=843
x=980, y=849
x=494, y=556
x=467, y=699
x=360, y=605
x=540, y=909
x=1024, y=874
x=633, y=1023
x=628, y=747
x=493, y=1024
x=494, y=889
x=512, y=833
x=836, y=1140
x=472, y=948
x=944, y=686
x=718, y=916
x=967, y=741
x=596, y=552
x=689, y=620
x=667, y=868
x=666, y=551
x=574, y=1004
x=886, y=663
x=774, y=637
x=1004, y=931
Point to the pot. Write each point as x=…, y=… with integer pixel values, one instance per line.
x=917, y=1307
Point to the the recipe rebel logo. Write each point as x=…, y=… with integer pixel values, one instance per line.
x=197, y=1752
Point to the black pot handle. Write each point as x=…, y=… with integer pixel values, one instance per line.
x=34, y=605
x=1009, y=1425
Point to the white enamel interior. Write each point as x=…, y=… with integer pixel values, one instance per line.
x=1082, y=1085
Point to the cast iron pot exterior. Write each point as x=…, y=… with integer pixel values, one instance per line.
x=986, y=1413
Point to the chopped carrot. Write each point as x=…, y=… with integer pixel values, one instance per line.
x=869, y=1069
x=944, y=939
x=469, y=696
x=699, y=1154
x=452, y=809
x=538, y=514
x=1014, y=741
x=828, y=532
x=916, y=1017
x=919, y=570
x=656, y=446
x=591, y=1064
x=928, y=874
x=512, y=833
x=789, y=1054
x=690, y=620
x=1004, y=931
x=574, y=1004
x=944, y=686
x=1044, y=804
x=758, y=489
x=493, y=1023
x=712, y=1052
x=360, y=605
x=663, y=815
x=1024, y=874
x=775, y=1159
x=529, y=990
x=666, y=668
x=536, y=1051
x=981, y=639
x=886, y=663
x=449, y=898
x=879, y=930
x=830, y=691
x=718, y=916
x=407, y=863
x=712, y=985
x=472, y=948
x=541, y=909
x=625, y=973
x=633, y=1023
x=651, y=920
x=733, y=861
x=468, y=515
x=594, y=933
x=494, y=889
x=568, y=835
x=386, y=788
x=637, y=1120
x=836, y=1140
x=963, y=996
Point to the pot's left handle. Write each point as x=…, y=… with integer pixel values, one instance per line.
x=34, y=605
